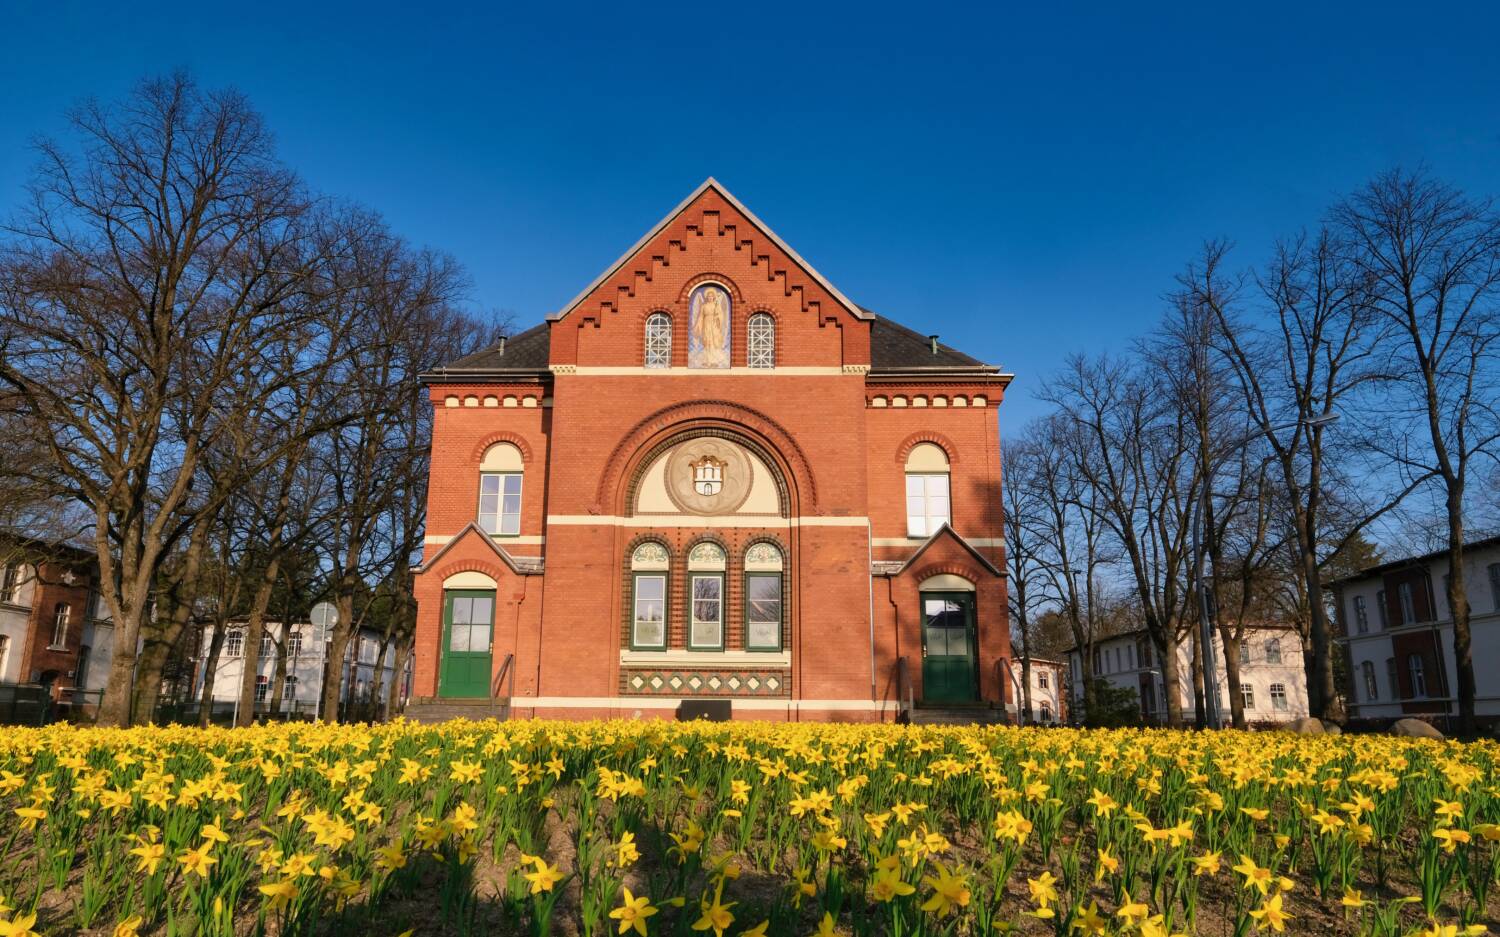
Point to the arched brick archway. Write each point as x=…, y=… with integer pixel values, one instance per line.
x=921, y=436
x=762, y=434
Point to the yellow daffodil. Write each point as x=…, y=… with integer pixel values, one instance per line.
x=633, y=912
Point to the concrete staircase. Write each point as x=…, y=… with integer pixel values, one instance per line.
x=428, y=709
x=957, y=715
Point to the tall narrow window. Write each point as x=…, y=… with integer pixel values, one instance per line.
x=1417, y=669
x=81, y=672
x=658, y=340
x=1046, y=711
x=927, y=506
x=262, y=686
x=294, y=644
x=500, y=490
x=1372, y=691
x=1273, y=651
x=1408, y=603
x=760, y=341
x=648, y=574
x=1494, y=571
x=1361, y=617
x=763, y=612
x=1245, y=652
x=267, y=645
x=1278, y=697
x=10, y=584
x=60, y=617
x=234, y=643
x=289, y=688
x=706, y=597
x=1380, y=613
x=1247, y=695
x=1041, y=680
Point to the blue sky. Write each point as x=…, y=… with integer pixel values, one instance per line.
x=1025, y=180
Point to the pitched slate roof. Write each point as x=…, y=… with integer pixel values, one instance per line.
x=894, y=347
x=526, y=352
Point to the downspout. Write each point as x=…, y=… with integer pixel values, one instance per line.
x=870, y=583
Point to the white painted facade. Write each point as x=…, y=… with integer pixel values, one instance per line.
x=1272, y=678
x=1047, y=678
x=17, y=585
x=304, y=667
x=1383, y=630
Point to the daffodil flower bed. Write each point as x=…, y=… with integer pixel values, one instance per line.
x=650, y=828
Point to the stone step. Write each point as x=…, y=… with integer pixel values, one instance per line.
x=430, y=710
x=957, y=715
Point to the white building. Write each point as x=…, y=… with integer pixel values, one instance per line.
x=1048, y=702
x=1397, y=630
x=1272, y=679
x=303, y=685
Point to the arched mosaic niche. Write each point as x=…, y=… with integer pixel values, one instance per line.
x=708, y=475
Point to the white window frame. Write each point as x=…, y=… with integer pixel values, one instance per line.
x=1416, y=669
x=1361, y=617
x=262, y=688
x=694, y=621
x=1247, y=696
x=1372, y=688
x=234, y=643
x=922, y=519
x=1279, y=701
x=760, y=340
x=1041, y=680
x=1273, y=651
x=658, y=341
x=1407, y=596
x=294, y=644
x=636, y=620
x=289, y=689
x=61, y=615
x=504, y=520
x=1380, y=613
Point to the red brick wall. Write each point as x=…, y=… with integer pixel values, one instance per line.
x=840, y=459
x=39, y=656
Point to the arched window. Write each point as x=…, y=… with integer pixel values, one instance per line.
x=648, y=575
x=262, y=687
x=1046, y=711
x=706, y=597
x=760, y=343
x=763, y=591
x=60, y=618
x=500, y=490
x=926, y=490
x=658, y=340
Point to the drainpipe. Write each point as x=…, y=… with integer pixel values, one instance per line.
x=870, y=582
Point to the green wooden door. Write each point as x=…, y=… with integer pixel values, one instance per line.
x=949, y=674
x=468, y=616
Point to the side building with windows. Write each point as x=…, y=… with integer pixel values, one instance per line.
x=1273, y=681
x=55, y=631
x=712, y=475
x=1397, y=632
x=302, y=670
x=1049, y=698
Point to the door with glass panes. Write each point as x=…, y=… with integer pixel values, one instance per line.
x=949, y=654
x=468, y=616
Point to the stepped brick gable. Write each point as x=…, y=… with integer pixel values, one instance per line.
x=711, y=475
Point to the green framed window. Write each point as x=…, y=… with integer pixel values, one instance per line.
x=706, y=565
x=764, y=610
x=648, y=596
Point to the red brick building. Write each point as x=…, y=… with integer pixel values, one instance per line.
x=711, y=474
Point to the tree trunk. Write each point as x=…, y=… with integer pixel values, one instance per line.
x=1458, y=607
x=398, y=679
x=1200, y=700
x=210, y=675
x=255, y=629
x=1171, y=680
x=338, y=646
x=1232, y=678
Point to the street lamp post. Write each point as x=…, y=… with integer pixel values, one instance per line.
x=1212, y=706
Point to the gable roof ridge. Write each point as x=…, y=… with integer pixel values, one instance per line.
x=500, y=551
x=973, y=551
x=711, y=183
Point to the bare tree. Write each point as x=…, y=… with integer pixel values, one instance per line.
x=1025, y=516
x=1431, y=259
x=140, y=285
